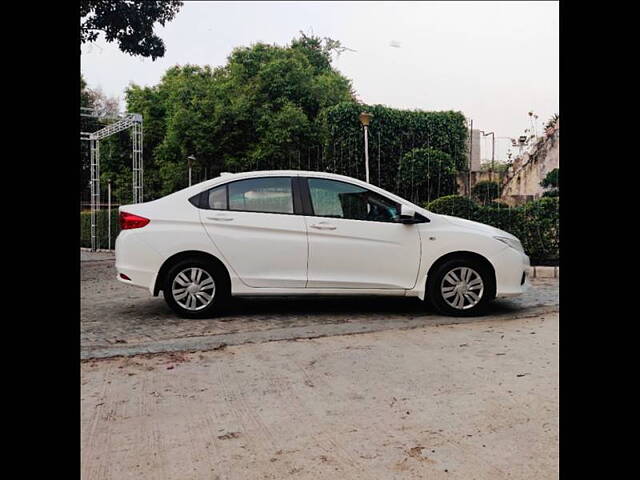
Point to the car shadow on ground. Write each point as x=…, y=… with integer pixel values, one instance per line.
x=345, y=306
x=337, y=308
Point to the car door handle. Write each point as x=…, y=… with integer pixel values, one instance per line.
x=323, y=226
x=220, y=219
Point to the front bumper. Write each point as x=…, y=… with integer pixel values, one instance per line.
x=511, y=266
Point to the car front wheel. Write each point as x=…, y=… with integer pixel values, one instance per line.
x=194, y=288
x=461, y=287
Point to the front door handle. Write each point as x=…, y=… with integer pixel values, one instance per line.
x=220, y=219
x=323, y=226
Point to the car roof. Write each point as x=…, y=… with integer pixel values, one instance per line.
x=225, y=177
x=297, y=173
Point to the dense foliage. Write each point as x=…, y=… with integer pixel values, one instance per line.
x=486, y=191
x=536, y=224
x=259, y=111
x=426, y=174
x=392, y=134
x=102, y=221
x=552, y=183
x=273, y=107
x=552, y=179
x=454, y=205
x=130, y=23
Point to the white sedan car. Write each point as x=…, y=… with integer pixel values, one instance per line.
x=310, y=233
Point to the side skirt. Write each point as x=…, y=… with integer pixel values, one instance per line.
x=255, y=292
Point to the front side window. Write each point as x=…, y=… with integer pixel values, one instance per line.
x=268, y=195
x=331, y=198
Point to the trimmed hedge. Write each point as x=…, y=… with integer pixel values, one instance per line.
x=102, y=228
x=486, y=191
x=426, y=174
x=454, y=205
x=536, y=223
x=393, y=133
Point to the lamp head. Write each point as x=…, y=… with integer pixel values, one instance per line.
x=365, y=118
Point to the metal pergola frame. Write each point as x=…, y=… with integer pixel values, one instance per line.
x=124, y=122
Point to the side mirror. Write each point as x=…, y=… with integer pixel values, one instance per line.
x=408, y=215
x=407, y=212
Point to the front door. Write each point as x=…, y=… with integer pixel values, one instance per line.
x=354, y=242
x=252, y=222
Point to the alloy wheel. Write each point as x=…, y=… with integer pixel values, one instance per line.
x=193, y=289
x=462, y=288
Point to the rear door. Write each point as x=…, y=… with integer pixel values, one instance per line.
x=354, y=241
x=254, y=223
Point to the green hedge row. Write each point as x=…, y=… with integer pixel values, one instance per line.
x=393, y=134
x=102, y=230
x=536, y=223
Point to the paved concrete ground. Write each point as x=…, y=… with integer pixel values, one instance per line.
x=477, y=400
x=117, y=319
x=298, y=396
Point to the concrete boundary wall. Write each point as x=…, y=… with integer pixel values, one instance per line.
x=544, y=272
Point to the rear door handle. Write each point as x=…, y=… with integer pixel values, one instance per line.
x=323, y=226
x=220, y=219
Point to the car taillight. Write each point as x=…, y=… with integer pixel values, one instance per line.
x=129, y=221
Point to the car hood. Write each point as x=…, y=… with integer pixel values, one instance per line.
x=479, y=227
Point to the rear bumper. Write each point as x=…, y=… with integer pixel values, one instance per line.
x=511, y=268
x=137, y=261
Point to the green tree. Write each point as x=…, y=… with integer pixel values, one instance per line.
x=275, y=107
x=552, y=183
x=486, y=191
x=130, y=23
x=256, y=112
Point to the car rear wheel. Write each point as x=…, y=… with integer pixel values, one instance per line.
x=194, y=288
x=461, y=287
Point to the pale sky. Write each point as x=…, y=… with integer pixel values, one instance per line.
x=494, y=61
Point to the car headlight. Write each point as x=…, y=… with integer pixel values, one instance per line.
x=512, y=242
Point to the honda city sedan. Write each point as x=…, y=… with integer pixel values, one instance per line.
x=310, y=233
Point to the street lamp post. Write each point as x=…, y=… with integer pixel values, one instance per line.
x=365, y=118
x=470, y=157
x=190, y=158
x=109, y=215
x=493, y=151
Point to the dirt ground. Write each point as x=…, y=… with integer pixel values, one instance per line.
x=475, y=400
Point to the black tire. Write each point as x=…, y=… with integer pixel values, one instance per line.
x=435, y=295
x=220, y=295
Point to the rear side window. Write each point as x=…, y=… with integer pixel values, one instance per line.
x=267, y=195
x=216, y=198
